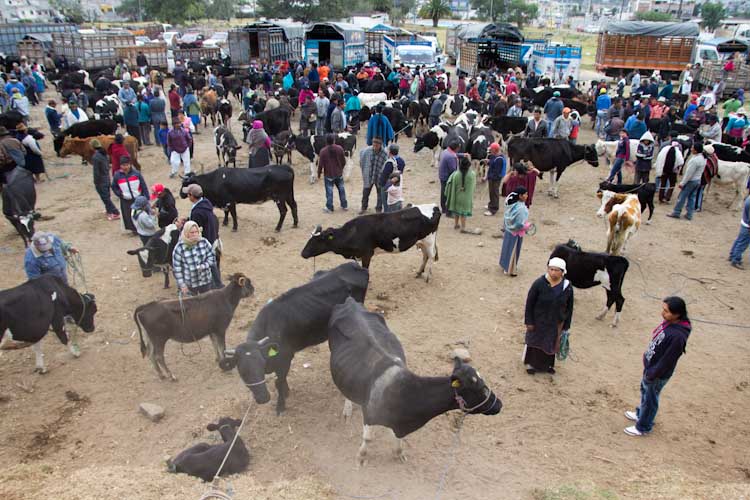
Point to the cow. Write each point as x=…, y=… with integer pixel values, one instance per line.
x=378, y=86
x=371, y=100
x=509, y=125
x=588, y=269
x=418, y=111
x=290, y=323
x=608, y=149
x=623, y=212
x=108, y=108
x=728, y=152
x=734, y=173
x=645, y=194
x=203, y=460
x=368, y=365
x=551, y=155
x=189, y=319
x=398, y=122
x=19, y=202
x=457, y=104
x=275, y=120
x=434, y=139
x=156, y=254
x=479, y=141
x=209, y=105
x=82, y=147
x=225, y=111
x=28, y=311
x=310, y=147
x=90, y=128
x=226, y=146
x=225, y=187
x=540, y=96
x=392, y=232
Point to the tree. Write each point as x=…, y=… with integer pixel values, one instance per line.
x=522, y=13
x=435, y=9
x=129, y=9
x=653, y=16
x=72, y=10
x=223, y=9
x=712, y=15
x=382, y=5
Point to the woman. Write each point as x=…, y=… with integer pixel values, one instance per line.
x=352, y=108
x=735, y=129
x=192, y=261
x=34, y=161
x=516, y=222
x=519, y=175
x=549, y=311
x=668, y=341
x=459, y=193
x=144, y=219
x=668, y=163
x=260, y=145
x=191, y=107
x=117, y=150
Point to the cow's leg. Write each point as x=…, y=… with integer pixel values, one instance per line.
x=399, y=447
x=282, y=213
x=428, y=246
x=233, y=211
x=282, y=387
x=366, y=258
x=159, y=355
x=73, y=347
x=619, y=300
x=39, y=355
x=436, y=155
x=362, y=453
x=293, y=206
x=219, y=343
x=165, y=270
x=313, y=175
x=226, y=216
x=347, y=412
x=606, y=308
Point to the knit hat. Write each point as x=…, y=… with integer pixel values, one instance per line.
x=156, y=190
x=95, y=144
x=494, y=148
x=42, y=241
x=393, y=149
x=140, y=203
x=558, y=263
x=556, y=94
x=603, y=91
x=257, y=124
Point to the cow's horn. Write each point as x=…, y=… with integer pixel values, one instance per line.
x=317, y=231
x=262, y=341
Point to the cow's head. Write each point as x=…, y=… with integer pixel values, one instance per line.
x=27, y=223
x=187, y=179
x=84, y=314
x=590, y=155
x=601, y=148
x=608, y=201
x=573, y=244
x=319, y=243
x=224, y=422
x=251, y=359
x=243, y=283
x=471, y=392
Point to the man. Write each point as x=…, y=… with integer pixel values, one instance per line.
x=711, y=129
x=494, y=176
x=144, y=120
x=100, y=164
x=517, y=109
x=393, y=163
x=73, y=115
x=636, y=125
x=603, y=103
x=563, y=125
x=331, y=163
x=175, y=106
x=179, y=74
x=447, y=164
x=142, y=62
x=553, y=109
x=691, y=181
x=80, y=98
x=341, y=84
x=14, y=83
x=707, y=99
x=436, y=109
x=532, y=81
x=128, y=184
x=178, y=146
x=371, y=161
x=202, y=213
x=379, y=126
x=338, y=118
x=54, y=119
x=536, y=127
x=126, y=94
x=743, y=239
x=46, y=255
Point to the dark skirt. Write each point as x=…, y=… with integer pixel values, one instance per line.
x=538, y=359
x=34, y=163
x=261, y=158
x=127, y=220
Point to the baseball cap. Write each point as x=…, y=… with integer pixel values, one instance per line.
x=193, y=189
x=156, y=190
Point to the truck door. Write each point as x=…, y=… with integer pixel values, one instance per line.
x=337, y=54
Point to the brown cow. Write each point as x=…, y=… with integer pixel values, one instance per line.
x=209, y=104
x=82, y=147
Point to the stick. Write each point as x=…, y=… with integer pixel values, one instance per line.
x=605, y=459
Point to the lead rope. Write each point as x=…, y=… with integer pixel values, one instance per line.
x=452, y=454
x=192, y=333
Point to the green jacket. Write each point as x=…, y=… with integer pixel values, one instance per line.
x=459, y=193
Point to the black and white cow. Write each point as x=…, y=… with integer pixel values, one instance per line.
x=310, y=147
x=645, y=194
x=368, y=365
x=551, y=155
x=225, y=111
x=290, y=323
x=479, y=141
x=391, y=232
x=30, y=310
x=457, y=104
x=588, y=269
x=156, y=254
x=19, y=202
x=108, y=108
x=226, y=146
x=418, y=112
x=728, y=152
x=509, y=125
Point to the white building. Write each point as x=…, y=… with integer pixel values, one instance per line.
x=13, y=11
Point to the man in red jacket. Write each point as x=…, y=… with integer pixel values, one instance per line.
x=175, y=104
x=331, y=163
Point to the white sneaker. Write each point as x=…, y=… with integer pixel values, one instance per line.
x=632, y=431
x=631, y=415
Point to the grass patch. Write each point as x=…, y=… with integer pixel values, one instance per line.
x=573, y=492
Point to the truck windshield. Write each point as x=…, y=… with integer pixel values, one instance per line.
x=709, y=55
x=417, y=56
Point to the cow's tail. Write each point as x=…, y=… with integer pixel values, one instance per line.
x=137, y=320
x=437, y=257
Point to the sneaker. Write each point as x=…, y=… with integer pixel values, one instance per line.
x=673, y=216
x=738, y=265
x=326, y=210
x=630, y=415
x=632, y=431
x=488, y=213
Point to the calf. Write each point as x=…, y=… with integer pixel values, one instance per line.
x=479, y=141
x=226, y=146
x=209, y=105
x=225, y=111
x=290, y=323
x=434, y=139
x=608, y=149
x=368, y=365
x=623, y=213
x=310, y=147
x=588, y=269
x=728, y=152
x=645, y=194
x=19, y=202
x=90, y=128
x=391, y=232
x=156, y=254
x=203, y=460
x=734, y=173
x=188, y=320
x=29, y=311
x=82, y=147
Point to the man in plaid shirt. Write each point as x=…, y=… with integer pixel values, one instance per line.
x=371, y=161
x=192, y=260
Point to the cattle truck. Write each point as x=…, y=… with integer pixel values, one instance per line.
x=391, y=46
x=628, y=46
x=483, y=46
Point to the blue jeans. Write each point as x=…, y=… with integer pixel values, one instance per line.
x=601, y=120
x=329, y=182
x=740, y=245
x=549, y=128
x=394, y=207
x=650, y=392
x=616, y=170
x=687, y=195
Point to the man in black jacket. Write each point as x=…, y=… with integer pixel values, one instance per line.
x=202, y=212
x=142, y=62
x=101, y=168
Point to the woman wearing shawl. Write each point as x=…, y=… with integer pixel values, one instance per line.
x=260, y=145
x=191, y=107
x=144, y=219
x=549, y=310
x=351, y=109
x=516, y=222
x=34, y=160
x=192, y=261
x=459, y=193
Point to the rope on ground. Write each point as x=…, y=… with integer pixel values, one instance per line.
x=452, y=457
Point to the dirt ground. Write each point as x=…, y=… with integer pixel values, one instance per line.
x=557, y=436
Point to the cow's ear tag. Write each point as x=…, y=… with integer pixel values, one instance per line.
x=272, y=352
x=456, y=384
x=54, y=296
x=330, y=237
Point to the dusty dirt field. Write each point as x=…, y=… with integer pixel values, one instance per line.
x=557, y=437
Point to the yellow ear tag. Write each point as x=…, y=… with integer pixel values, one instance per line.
x=456, y=384
x=272, y=352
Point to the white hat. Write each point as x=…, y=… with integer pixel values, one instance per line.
x=741, y=111
x=709, y=149
x=558, y=263
x=662, y=99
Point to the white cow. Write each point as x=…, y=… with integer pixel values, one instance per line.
x=733, y=172
x=371, y=100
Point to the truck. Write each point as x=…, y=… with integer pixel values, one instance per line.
x=626, y=46
x=483, y=46
x=410, y=52
x=554, y=60
x=11, y=34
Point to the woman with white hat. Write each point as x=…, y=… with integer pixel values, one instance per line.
x=736, y=126
x=549, y=311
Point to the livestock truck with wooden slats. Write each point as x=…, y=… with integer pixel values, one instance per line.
x=626, y=46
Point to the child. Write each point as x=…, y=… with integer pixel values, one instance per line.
x=163, y=131
x=644, y=154
x=395, y=193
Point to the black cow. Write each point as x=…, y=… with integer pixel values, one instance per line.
x=398, y=121
x=368, y=365
x=90, y=128
x=225, y=187
x=290, y=323
x=540, y=98
x=28, y=311
x=391, y=232
x=509, y=125
x=645, y=194
x=575, y=105
x=226, y=146
x=156, y=254
x=203, y=460
x=19, y=202
x=682, y=128
x=377, y=86
x=588, y=269
x=551, y=155
x=418, y=111
x=275, y=120
x=233, y=86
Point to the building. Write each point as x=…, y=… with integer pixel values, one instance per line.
x=683, y=8
x=14, y=11
x=460, y=8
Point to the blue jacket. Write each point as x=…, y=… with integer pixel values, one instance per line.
x=126, y=95
x=53, y=118
x=162, y=135
x=51, y=262
x=603, y=102
x=666, y=92
x=144, y=112
x=636, y=128
x=689, y=109
x=496, y=168
x=130, y=115
x=553, y=108
x=379, y=126
x=313, y=75
x=9, y=88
